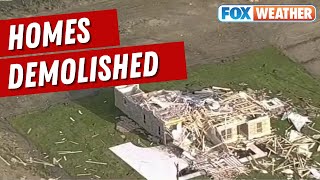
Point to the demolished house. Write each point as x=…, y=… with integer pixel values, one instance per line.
x=219, y=131
x=225, y=116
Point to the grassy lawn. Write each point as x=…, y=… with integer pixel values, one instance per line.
x=95, y=132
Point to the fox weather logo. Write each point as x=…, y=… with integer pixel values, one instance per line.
x=237, y=13
x=267, y=13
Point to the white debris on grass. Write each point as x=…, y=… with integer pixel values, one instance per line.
x=152, y=163
x=68, y=152
x=95, y=162
x=72, y=119
x=297, y=120
x=29, y=131
x=315, y=173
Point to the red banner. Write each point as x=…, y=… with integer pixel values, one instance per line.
x=52, y=33
x=92, y=69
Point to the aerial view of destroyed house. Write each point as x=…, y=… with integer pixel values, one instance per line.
x=249, y=109
x=218, y=131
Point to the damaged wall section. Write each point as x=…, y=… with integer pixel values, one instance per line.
x=146, y=119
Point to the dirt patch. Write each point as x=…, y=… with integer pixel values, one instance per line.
x=194, y=22
x=206, y=39
x=299, y=41
x=313, y=66
x=303, y=47
x=304, y=51
x=21, y=8
x=26, y=8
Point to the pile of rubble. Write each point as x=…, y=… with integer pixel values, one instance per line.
x=289, y=155
x=224, y=133
x=218, y=107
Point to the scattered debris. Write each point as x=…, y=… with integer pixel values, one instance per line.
x=80, y=112
x=74, y=142
x=156, y=163
x=273, y=105
x=297, y=120
x=85, y=174
x=68, y=152
x=19, y=160
x=316, y=136
x=95, y=162
x=38, y=161
x=315, y=173
x=222, y=132
x=29, y=131
x=5, y=161
x=72, y=119
x=243, y=84
x=94, y=135
x=287, y=171
x=60, y=142
x=55, y=161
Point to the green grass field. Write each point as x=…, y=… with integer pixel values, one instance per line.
x=94, y=130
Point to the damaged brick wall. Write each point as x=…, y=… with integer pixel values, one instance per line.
x=143, y=117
